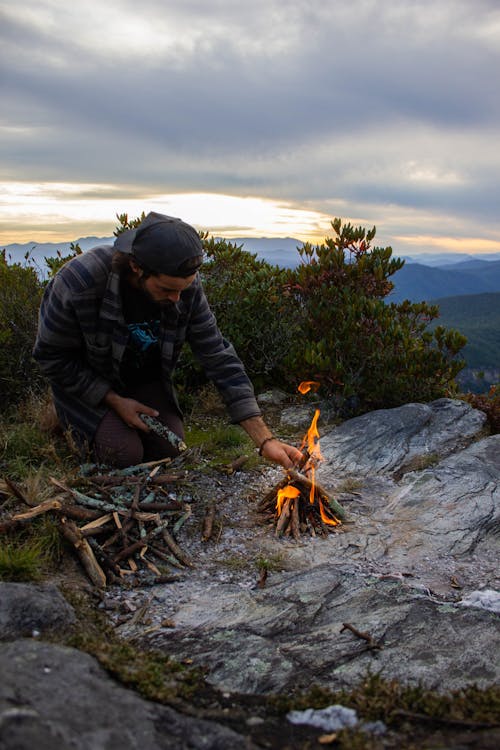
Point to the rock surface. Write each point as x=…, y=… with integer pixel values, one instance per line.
x=414, y=570
x=416, y=542
x=54, y=697
x=26, y=609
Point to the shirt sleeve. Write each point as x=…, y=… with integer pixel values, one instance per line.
x=60, y=347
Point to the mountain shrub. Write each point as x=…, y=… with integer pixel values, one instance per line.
x=20, y=296
x=247, y=296
x=358, y=347
x=489, y=403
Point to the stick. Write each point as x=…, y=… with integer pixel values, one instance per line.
x=163, y=556
x=294, y=522
x=16, y=491
x=284, y=518
x=164, y=432
x=182, y=519
x=128, y=551
x=92, y=502
x=84, y=551
x=108, y=480
x=208, y=523
x=372, y=643
x=445, y=720
x=262, y=579
x=306, y=482
x=112, y=570
x=174, y=547
x=79, y=514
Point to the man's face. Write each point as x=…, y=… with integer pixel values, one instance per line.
x=162, y=289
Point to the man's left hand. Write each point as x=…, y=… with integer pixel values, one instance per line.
x=281, y=453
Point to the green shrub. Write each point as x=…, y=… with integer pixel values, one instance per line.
x=252, y=310
x=54, y=264
x=355, y=343
x=490, y=404
x=20, y=296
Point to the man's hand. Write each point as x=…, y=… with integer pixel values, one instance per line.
x=129, y=410
x=281, y=453
x=270, y=447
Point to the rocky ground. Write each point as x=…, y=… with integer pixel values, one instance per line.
x=407, y=588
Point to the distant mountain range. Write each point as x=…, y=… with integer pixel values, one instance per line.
x=424, y=276
x=417, y=282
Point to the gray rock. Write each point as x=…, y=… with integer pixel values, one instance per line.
x=290, y=634
x=389, y=440
x=55, y=697
x=274, y=397
x=25, y=608
x=297, y=417
x=421, y=489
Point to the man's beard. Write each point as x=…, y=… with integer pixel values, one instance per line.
x=147, y=294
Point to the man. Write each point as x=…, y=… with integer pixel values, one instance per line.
x=112, y=323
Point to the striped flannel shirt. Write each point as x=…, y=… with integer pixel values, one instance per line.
x=82, y=337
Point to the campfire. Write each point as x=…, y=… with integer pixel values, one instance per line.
x=298, y=504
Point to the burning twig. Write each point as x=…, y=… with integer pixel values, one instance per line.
x=299, y=504
x=301, y=479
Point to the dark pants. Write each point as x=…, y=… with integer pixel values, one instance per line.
x=118, y=444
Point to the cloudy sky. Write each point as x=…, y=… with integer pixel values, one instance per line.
x=253, y=118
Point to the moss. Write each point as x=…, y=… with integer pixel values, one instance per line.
x=153, y=674
x=376, y=698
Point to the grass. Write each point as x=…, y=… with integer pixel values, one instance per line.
x=221, y=443
x=29, y=442
x=31, y=553
x=20, y=561
x=271, y=563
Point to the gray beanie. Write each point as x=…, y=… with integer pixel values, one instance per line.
x=163, y=244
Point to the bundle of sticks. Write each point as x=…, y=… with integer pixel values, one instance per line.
x=298, y=505
x=123, y=523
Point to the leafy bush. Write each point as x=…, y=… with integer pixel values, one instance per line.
x=354, y=343
x=20, y=296
x=490, y=404
x=247, y=297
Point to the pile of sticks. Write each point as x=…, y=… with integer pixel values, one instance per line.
x=295, y=514
x=123, y=523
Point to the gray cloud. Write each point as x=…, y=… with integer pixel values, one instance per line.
x=369, y=103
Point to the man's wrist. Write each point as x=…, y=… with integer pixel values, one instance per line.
x=111, y=398
x=265, y=442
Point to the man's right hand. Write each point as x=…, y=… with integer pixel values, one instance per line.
x=129, y=410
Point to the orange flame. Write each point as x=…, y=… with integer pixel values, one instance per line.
x=287, y=492
x=326, y=519
x=308, y=385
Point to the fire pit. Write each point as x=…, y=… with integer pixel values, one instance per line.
x=298, y=504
